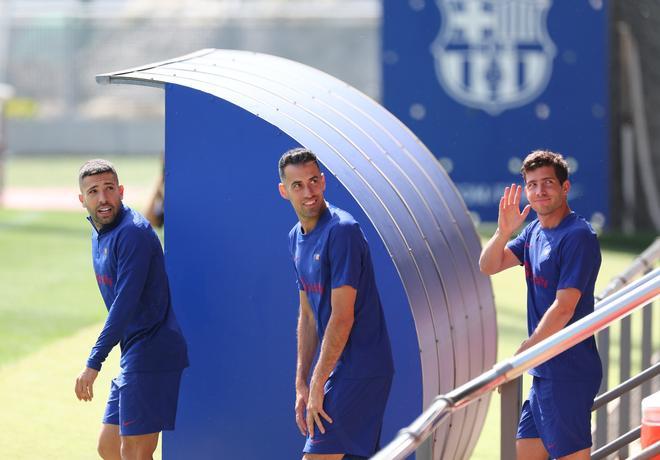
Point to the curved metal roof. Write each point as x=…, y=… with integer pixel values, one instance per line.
x=410, y=200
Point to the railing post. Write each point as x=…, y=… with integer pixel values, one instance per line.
x=647, y=344
x=603, y=339
x=511, y=402
x=624, y=374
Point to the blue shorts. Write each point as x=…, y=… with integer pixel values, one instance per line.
x=143, y=402
x=559, y=412
x=356, y=407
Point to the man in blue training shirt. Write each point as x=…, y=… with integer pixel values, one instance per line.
x=561, y=256
x=130, y=272
x=341, y=409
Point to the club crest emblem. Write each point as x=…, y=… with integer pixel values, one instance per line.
x=493, y=55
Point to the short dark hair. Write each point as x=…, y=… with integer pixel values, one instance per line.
x=296, y=156
x=94, y=167
x=539, y=158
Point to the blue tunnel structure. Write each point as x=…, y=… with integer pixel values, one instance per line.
x=229, y=115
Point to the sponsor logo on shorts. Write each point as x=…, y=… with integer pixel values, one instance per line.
x=128, y=422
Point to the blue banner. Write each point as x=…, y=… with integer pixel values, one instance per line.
x=484, y=82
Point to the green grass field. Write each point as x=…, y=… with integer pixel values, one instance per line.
x=51, y=311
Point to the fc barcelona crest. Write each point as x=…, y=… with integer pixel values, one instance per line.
x=494, y=54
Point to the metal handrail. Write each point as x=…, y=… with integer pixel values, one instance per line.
x=626, y=386
x=648, y=453
x=617, y=444
x=642, y=263
x=614, y=307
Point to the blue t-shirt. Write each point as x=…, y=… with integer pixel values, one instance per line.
x=567, y=256
x=130, y=272
x=336, y=254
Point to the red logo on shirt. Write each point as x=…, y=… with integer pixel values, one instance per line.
x=312, y=287
x=537, y=280
x=104, y=280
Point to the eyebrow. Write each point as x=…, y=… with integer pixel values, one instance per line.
x=542, y=178
x=104, y=183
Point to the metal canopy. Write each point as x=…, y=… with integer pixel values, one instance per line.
x=401, y=187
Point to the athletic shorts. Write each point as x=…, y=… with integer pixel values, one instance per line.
x=559, y=412
x=356, y=407
x=143, y=402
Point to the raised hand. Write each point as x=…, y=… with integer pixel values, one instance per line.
x=510, y=217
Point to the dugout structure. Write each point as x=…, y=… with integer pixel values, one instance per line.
x=229, y=115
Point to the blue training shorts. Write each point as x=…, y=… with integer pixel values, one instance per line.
x=143, y=402
x=356, y=407
x=559, y=412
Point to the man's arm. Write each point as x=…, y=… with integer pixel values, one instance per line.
x=556, y=317
x=334, y=340
x=307, y=343
x=495, y=256
x=132, y=268
x=133, y=260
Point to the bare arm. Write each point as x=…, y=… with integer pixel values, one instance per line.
x=307, y=343
x=556, y=317
x=334, y=340
x=495, y=256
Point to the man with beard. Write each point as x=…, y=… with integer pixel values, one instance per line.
x=340, y=408
x=130, y=272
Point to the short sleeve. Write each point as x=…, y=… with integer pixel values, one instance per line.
x=346, y=253
x=579, y=257
x=517, y=245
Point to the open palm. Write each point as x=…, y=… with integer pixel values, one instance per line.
x=510, y=217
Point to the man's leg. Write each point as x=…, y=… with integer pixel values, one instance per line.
x=584, y=454
x=139, y=447
x=531, y=449
x=109, y=442
x=323, y=456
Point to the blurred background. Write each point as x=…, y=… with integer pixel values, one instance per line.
x=51, y=50
x=54, y=116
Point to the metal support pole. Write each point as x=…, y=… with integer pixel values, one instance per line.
x=647, y=344
x=603, y=340
x=624, y=374
x=511, y=403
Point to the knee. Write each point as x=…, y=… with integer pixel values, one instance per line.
x=107, y=450
x=138, y=447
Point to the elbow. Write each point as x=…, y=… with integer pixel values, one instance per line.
x=345, y=322
x=484, y=268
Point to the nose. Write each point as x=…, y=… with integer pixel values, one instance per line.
x=308, y=190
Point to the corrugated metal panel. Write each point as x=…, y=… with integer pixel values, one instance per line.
x=408, y=197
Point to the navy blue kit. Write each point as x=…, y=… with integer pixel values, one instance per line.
x=559, y=406
x=334, y=254
x=130, y=272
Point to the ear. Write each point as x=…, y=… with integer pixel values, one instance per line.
x=121, y=192
x=80, y=197
x=282, y=190
x=566, y=186
x=323, y=182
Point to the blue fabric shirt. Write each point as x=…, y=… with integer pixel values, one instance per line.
x=567, y=256
x=336, y=254
x=130, y=271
